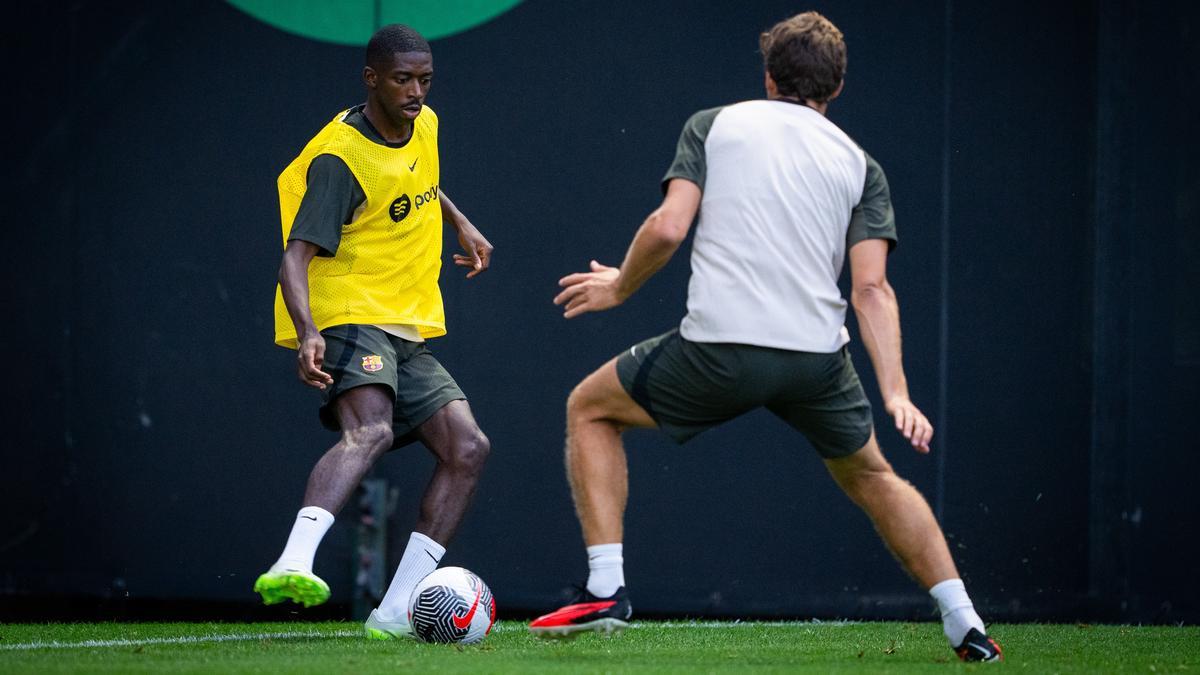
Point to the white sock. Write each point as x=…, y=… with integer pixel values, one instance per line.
x=606, y=571
x=312, y=522
x=421, y=557
x=958, y=614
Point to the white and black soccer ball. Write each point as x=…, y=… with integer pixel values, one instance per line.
x=452, y=604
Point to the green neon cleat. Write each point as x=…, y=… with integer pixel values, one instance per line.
x=304, y=588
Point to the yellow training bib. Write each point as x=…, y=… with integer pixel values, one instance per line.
x=386, y=267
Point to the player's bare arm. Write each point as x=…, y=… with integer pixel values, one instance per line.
x=655, y=242
x=478, y=249
x=293, y=284
x=878, y=315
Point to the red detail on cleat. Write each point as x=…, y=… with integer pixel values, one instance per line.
x=567, y=615
x=965, y=651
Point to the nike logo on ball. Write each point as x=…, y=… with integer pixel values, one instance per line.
x=464, y=621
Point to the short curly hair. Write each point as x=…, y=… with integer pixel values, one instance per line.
x=394, y=39
x=806, y=56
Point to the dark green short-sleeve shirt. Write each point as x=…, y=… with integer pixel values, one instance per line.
x=872, y=218
x=786, y=193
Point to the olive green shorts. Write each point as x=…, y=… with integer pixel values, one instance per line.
x=689, y=387
x=362, y=354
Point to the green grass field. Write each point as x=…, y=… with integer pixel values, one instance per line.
x=676, y=647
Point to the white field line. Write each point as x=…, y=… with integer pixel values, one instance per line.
x=182, y=640
x=297, y=635
x=737, y=624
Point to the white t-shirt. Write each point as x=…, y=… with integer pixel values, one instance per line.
x=781, y=186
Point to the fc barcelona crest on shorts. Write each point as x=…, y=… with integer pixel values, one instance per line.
x=372, y=363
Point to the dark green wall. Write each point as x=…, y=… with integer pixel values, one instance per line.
x=157, y=443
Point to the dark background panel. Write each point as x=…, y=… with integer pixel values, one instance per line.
x=1164, y=384
x=1021, y=112
x=158, y=443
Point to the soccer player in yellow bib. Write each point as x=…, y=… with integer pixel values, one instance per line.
x=358, y=296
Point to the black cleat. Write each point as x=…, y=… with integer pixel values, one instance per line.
x=978, y=647
x=586, y=613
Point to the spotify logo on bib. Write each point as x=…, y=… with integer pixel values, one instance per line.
x=400, y=208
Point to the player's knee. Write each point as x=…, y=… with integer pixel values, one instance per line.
x=581, y=404
x=574, y=405
x=860, y=482
x=469, y=454
x=372, y=439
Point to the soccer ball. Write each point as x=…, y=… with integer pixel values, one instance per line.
x=452, y=605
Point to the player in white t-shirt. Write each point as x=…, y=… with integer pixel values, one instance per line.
x=782, y=195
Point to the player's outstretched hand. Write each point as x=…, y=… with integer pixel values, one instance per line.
x=911, y=422
x=478, y=248
x=593, y=291
x=309, y=362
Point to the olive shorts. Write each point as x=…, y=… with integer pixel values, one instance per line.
x=356, y=355
x=689, y=387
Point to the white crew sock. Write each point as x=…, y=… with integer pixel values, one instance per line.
x=421, y=557
x=606, y=571
x=958, y=614
x=312, y=522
